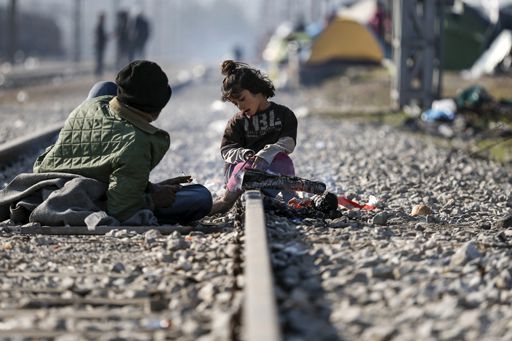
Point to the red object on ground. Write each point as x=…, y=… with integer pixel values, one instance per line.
x=347, y=203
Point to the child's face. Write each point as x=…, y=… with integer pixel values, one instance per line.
x=249, y=103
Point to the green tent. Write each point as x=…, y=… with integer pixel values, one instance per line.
x=466, y=34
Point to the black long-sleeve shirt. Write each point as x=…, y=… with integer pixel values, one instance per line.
x=266, y=133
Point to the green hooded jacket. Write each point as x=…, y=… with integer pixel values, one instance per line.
x=109, y=141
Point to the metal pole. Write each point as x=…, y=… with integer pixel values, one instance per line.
x=417, y=34
x=12, y=32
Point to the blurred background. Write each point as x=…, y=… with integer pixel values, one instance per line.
x=439, y=61
x=202, y=30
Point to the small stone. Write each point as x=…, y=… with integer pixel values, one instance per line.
x=118, y=267
x=420, y=210
x=360, y=277
x=7, y=246
x=382, y=271
x=466, y=253
x=380, y=218
x=338, y=223
x=419, y=227
x=67, y=283
x=174, y=244
x=207, y=292
x=151, y=236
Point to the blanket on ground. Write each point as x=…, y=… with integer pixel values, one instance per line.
x=61, y=199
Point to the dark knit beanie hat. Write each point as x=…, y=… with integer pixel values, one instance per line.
x=143, y=85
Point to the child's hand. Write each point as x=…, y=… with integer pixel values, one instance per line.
x=164, y=195
x=177, y=180
x=248, y=155
x=260, y=163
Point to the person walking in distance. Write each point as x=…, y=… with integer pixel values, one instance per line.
x=261, y=135
x=123, y=41
x=100, y=43
x=141, y=31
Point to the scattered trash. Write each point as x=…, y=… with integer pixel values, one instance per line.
x=472, y=97
x=441, y=111
x=347, y=203
x=155, y=324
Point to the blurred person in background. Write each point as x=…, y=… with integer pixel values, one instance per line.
x=140, y=32
x=100, y=43
x=123, y=41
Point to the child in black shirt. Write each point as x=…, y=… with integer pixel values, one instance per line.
x=260, y=135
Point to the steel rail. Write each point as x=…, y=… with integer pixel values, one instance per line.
x=31, y=143
x=260, y=317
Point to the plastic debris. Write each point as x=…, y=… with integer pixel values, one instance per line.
x=442, y=110
x=347, y=203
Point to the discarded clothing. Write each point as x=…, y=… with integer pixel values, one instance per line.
x=61, y=199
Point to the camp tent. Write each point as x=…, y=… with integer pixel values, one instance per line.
x=466, y=33
x=345, y=40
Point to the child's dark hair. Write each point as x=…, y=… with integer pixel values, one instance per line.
x=240, y=76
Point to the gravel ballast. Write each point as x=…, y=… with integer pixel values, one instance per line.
x=381, y=274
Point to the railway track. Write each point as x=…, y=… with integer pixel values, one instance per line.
x=64, y=300
x=378, y=275
x=67, y=301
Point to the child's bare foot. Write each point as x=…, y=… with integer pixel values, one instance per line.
x=224, y=204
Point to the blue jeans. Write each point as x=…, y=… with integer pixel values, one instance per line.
x=193, y=202
x=103, y=88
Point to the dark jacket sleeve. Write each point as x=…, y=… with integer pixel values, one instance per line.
x=231, y=148
x=287, y=138
x=289, y=124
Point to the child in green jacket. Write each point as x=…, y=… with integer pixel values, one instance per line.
x=109, y=137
